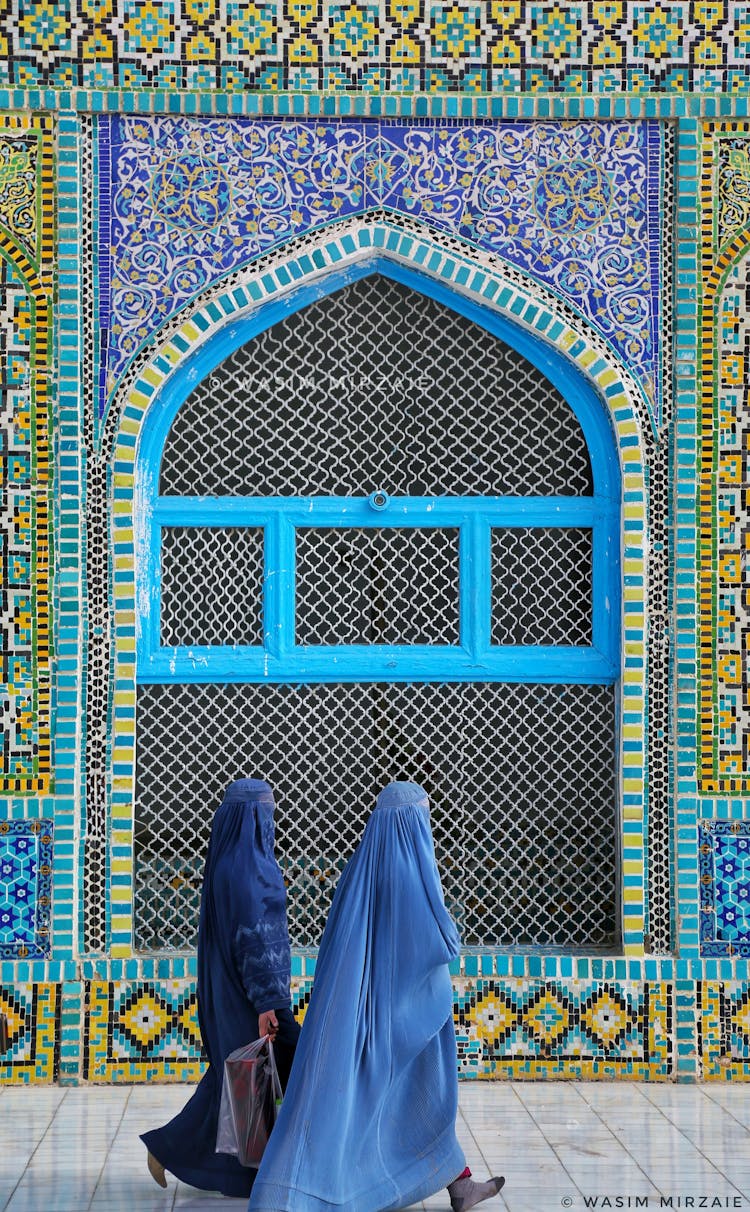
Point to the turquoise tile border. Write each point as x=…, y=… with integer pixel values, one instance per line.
x=536, y=106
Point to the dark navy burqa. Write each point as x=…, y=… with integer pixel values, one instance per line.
x=243, y=970
x=368, y=1120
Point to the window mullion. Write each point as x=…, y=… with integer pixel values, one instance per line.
x=474, y=582
x=278, y=585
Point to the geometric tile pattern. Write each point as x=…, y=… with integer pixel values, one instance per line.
x=553, y=1029
x=573, y=205
x=136, y=1031
x=148, y=1030
x=442, y=46
x=32, y=1013
x=724, y=1029
x=724, y=859
x=724, y=602
x=25, y=888
x=144, y=1030
x=26, y=284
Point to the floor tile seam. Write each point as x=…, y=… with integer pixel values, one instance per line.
x=103, y=1167
x=30, y=1158
x=632, y=1157
x=481, y=1153
x=716, y=1103
x=549, y=1144
x=697, y=1147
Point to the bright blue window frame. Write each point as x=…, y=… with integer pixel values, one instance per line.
x=474, y=658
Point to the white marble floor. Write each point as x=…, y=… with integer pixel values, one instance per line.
x=560, y=1145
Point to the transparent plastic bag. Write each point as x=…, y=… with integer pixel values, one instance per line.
x=250, y=1101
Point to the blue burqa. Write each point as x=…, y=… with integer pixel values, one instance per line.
x=368, y=1120
x=243, y=969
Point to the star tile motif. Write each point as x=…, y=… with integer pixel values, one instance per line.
x=25, y=888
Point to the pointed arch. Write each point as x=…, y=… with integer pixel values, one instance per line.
x=209, y=333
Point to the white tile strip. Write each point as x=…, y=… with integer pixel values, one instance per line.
x=560, y=1145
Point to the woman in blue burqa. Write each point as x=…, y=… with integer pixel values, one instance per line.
x=243, y=983
x=368, y=1120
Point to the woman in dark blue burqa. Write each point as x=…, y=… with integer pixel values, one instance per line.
x=243, y=983
x=368, y=1120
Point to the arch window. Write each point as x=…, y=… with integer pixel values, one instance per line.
x=380, y=537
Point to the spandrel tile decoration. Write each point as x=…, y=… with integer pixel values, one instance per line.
x=375, y=405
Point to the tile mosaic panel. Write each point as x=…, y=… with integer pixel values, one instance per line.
x=32, y=1014
x=25, y=888
x=724, y=850
x=549, y=1029
x=724, y=604
x=26, y=283
x=148, y=1030
x=440, y=46
x=141, y=1031
x=724, y=1029
x=573, y=205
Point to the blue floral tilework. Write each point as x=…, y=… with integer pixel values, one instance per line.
x=724, y=853
x=25, y=888
x=185, y=201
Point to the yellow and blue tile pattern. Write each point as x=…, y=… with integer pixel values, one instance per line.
x=724, y=729
x=432, y=46
x=26, y=286
x=724, y=1027
x=32, y=1015
x=522, y=1028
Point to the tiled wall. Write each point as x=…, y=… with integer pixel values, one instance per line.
x=542, y=159
x=479, y=45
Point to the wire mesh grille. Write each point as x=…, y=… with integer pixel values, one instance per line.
x=521, y=778
x=377, y=586
x=375, y=387
x=211, y=585
x=541, y=585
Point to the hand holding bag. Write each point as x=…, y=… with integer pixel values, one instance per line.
x=250, y=1100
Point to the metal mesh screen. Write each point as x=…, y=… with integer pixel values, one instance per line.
x=521, y=778
x=383, y=586
x=375, y=386
x=211, y=585
x=541, y=585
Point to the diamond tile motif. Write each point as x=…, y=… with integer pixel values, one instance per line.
x=32, y=1012
x=145, y=1030
x=505, y=1027
x=724, y=1029
x=25, y=888
x=532, y=1028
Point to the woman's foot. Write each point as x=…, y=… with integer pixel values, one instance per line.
x=156, y=1170
x=465, y=1193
